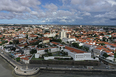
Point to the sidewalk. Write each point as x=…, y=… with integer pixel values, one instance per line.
x=21, y=71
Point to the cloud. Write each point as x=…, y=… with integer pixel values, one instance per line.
x=112, y=2
x=70, y=11
x=30, y=3
x=111, y=14
x=51, y=7
x=91, y=5
x=86, y=14
x=6, y=16
x=18, y=5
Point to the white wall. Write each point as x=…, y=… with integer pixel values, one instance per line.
x=26, y=61
x=26, y=52
x=37, y=55
x=47, y=58
x=50, y=35
x=41, y=51
x=78, y=56
x=17, y=55
x=54, y=49
x=81, y=44
x=68, y=39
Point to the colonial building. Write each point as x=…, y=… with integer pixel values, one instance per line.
x=77, y=54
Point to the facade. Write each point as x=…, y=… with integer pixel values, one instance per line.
x=89, y=46
x=40, y=52
x=65, y=40
x=96, y=51
x=62, y=34
x=27, y=51
x=25, y=60
x=31, y=37
x=37, y=55
x=17, y=55
x=77, y=54
x=49, y=34
x=46, y=41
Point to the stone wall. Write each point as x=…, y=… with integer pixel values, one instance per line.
x=65, y=62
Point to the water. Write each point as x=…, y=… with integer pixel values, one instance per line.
x=6, y=70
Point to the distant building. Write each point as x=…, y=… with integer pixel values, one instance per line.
x=49, y=34
x=68, y=40
x=62, y=34
x=81, y=26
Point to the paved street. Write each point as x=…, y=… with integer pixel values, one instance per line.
x=101, y=66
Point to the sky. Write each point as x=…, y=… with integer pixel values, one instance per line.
x=71, y=12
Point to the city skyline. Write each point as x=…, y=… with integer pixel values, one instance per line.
x=85, y=12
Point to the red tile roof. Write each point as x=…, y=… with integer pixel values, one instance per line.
x=21, y=55
x=25, y=58
x=74, y=50
x=55, y=43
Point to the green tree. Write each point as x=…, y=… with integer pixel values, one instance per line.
x=86, y=48
x=95, y=35
x=33, y=51
x=40, y=45
x=13, y=48
x=36, y=37
x=10, y=43
x=56, y=36
x=101, y=34
x=114, y=55
x=63, y=43
x=105, y=55
x=27, y=36
x=104, y=39
x=46, y=50
x=16, y=41
x=49, y=54
x=18, y=59
x=3, y=42
x=101, y=44
x=59, y=40
x=75, y=45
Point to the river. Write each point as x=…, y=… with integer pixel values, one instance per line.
x=6, y=70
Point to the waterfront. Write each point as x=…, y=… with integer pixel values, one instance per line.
x=8, y=71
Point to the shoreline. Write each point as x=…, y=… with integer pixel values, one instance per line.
x=57, y=70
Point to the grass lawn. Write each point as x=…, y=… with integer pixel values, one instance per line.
x=36, y=58
x=56, y=53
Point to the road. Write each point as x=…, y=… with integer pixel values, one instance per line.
x=102, y=66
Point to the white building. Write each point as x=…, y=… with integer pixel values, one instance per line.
x=77, y=54
x=65, y=40
x=62, y=34
x=27, y=51
x=25, y=60
x=89, y=46
x=17, y=55
x=81, y=44
x=40, y=52
x=50, y=34
x=31, y=37
x=37, y=55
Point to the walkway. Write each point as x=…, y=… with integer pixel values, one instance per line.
x=19, y=68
